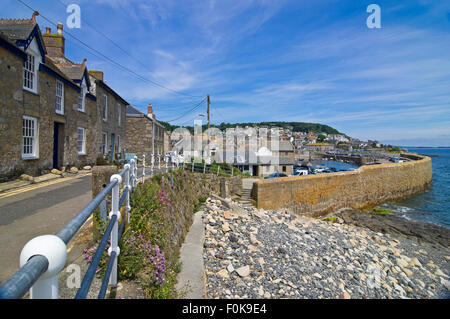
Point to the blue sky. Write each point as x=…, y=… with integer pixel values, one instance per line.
x=309, y=61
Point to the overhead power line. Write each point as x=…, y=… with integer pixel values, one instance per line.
x=189, y=111
x=98, y=53
x=108, y=38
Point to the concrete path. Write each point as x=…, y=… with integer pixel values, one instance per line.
x=192, y=274
x=42, y=210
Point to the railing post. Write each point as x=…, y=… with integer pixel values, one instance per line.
x=143, y=169
x=159, y=161
x=192, y=163
x=204, y=167
x=128, y=187
x=115, y=197
x=132, y=165
x=166, y=159
x=218, y=169
x=153, y=164
x=232, y=170
x=135, y=172
x=54, y=249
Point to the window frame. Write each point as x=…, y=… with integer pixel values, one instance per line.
x=82, y=96
x=33, y=72
x=119, y=114
x=61, y=111
x=105, y=108
x=35, y=138
x=104, y=143
x=83, y=148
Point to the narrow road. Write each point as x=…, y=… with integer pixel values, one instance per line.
x=40, y=211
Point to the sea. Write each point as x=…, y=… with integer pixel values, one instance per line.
x=433, y=205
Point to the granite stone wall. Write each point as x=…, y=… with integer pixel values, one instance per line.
x=368, y=186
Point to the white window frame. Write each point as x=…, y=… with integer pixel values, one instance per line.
x=83, y=145
x=104, y=143
x=118, y=144
x=105, y=108
x=82, y=99
x=30, y=133
x=30, y=68
x=119, y=113
x=59, y=97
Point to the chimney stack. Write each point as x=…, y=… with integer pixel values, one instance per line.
x=96, y=74
x=55, y=43
x=150, y=111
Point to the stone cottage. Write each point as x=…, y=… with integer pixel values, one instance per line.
x=45, y=114
x=145, y=135
x=111, y=117
x=51, y=112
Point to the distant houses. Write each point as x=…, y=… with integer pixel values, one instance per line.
x=54, y=112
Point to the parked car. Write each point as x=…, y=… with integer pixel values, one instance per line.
x=396, y=160
x=276, y=175
x=300, y=172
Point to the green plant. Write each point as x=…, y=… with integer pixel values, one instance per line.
x=382, y=211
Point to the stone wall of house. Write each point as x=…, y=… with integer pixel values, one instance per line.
x=111, y=125
x=366, y=187
x=16, y=102
x=138, y=136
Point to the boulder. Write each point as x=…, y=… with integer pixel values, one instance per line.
x=74, y=170
x=87, y=168
x=26, y=177
x=56, y=171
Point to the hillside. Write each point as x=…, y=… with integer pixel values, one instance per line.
x=295, y=126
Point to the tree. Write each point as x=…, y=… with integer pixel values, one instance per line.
x=321, y=138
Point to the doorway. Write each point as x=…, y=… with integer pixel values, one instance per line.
x=58, y=144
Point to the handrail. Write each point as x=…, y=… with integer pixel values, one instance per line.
x=90, y=273
x=30, y=276
x=18, y=285
x=75, y=224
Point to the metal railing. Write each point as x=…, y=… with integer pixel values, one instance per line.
x=214, y=168
x=44, y=257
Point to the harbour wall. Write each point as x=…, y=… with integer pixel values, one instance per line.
x=368, y=186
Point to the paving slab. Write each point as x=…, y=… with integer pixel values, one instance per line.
x=13, y=184
x=191, y=278
x=46, y=177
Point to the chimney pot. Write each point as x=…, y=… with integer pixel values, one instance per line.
x=60, y=28
x=48, y=30
x=150, y=110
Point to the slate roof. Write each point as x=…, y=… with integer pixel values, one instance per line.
x=134, y=112
x=16, y=29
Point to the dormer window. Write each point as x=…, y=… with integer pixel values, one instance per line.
x=30, y=74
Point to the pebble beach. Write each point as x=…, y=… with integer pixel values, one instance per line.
x=252, y=253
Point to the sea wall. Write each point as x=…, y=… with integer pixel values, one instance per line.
x=367, y=186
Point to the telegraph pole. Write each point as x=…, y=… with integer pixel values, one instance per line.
x=209, y=103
